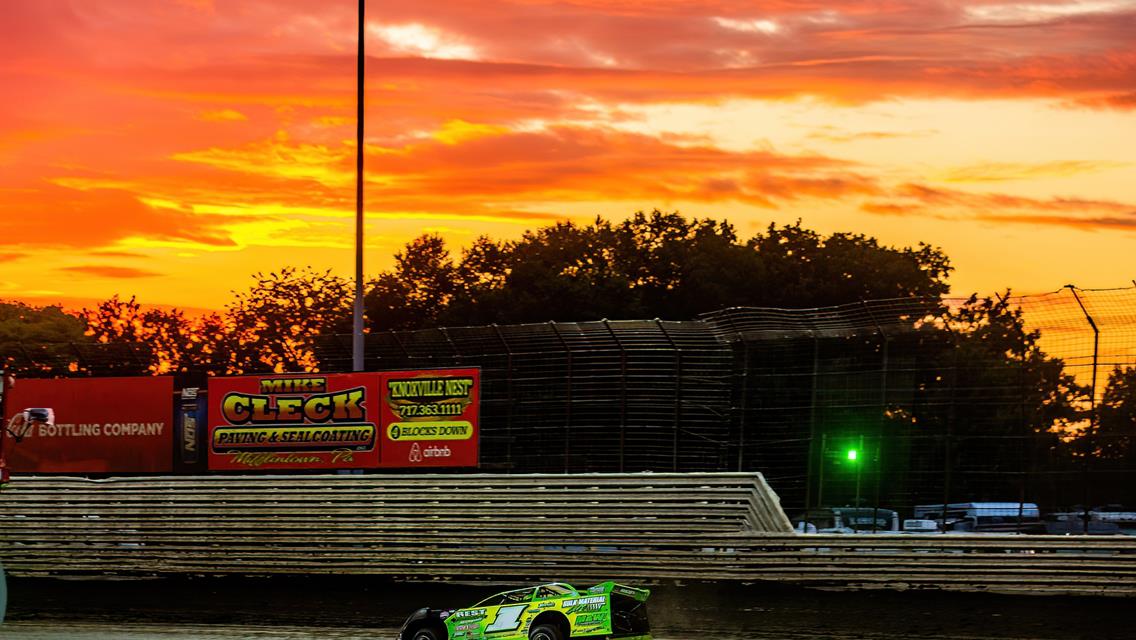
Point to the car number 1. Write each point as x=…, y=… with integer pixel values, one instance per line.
x=507, y=619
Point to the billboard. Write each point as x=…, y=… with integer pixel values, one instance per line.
x=430, y=418
x=299, y=421
x=344, y=420
x=102, y=425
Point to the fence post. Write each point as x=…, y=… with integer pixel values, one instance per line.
x=1091, y=433
x=820, y=474
x=949, y=435
x=509, y=393
x=1025, y=462
x=78, y=354
x=31, y=361
x=567, y=396
x=1005, y=301
x=678, y=392
x=877, y=457
x=402, y=347
x=744, y=407
x=622, y=394
x=815, y=461
x=453, y=347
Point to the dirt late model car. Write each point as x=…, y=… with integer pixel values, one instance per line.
x=553, y=611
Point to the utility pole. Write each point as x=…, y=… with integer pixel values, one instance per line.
x=357, y=321
x=820, y=473
x=1090, y=434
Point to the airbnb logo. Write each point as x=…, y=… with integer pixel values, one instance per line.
x=418, y=453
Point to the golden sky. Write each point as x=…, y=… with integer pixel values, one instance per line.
x=171, y=148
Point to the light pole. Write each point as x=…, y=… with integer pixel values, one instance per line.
x=357, y=320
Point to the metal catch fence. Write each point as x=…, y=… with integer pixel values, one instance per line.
x=887, y=403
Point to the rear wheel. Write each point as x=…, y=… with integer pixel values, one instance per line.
x=545, y=632
x=426, y=634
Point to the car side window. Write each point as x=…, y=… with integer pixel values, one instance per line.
x=552, y=591
x=494, y=601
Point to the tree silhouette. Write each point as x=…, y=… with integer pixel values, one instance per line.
x=988, y=393
x=1116, y=429
x=650, y=265
x=418, y=290
x=153, y=341
x=38, y=340
x=274, y=325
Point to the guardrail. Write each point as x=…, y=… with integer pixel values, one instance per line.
x=508, y=529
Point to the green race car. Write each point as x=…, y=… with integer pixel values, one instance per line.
x=553, y=611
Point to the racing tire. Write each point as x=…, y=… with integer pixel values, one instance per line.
x=425, y=634
x=545, y=632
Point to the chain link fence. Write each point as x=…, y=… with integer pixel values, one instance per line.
x=886, y=404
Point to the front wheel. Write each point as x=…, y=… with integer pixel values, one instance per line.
x=545, y=632
x=425, y=634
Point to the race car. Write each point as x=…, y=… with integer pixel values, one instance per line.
x=553, y=611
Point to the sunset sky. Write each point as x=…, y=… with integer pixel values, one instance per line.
x=170, y=148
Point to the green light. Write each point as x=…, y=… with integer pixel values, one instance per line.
x=853, y=454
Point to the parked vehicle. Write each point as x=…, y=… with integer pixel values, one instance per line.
x=984, y=517
x=920, y=525
x=1123, y=518
x=848, y=520
x=1110, y=519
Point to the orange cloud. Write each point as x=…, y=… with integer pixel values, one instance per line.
x=117, y=254
x=1122, y=223
x=588, y=163
x=197, y=126
x=1121, y=101
x=833, y=134
x=55, y=216
x=222, y=115
x=280, y=158
x=464, y=167
x=106, y=271
x=949, y=204
x=1001, y=171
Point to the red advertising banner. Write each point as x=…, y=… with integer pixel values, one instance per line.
x=298, y=421
x=102, y=425
x=430, y=418
x=401, y=419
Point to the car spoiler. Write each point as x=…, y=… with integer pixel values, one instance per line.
x=621, y=589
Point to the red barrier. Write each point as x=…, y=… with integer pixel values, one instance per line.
x=345, y=421
x=298, y=421
x=430, y=418
x=102, y=425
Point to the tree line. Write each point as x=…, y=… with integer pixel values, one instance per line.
x=651, y=265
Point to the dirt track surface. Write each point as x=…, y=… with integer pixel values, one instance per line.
x=350, y=609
